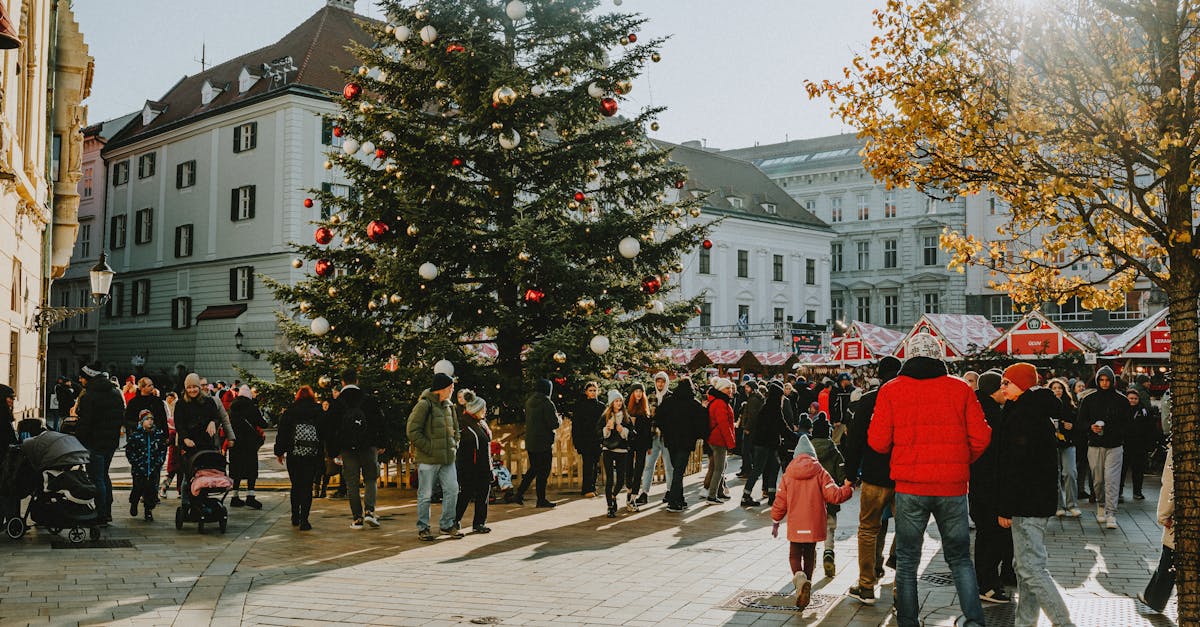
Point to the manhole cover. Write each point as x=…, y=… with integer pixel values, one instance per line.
x=485, y=620
x=775, y=602
x=92, y=544
x=938, y=579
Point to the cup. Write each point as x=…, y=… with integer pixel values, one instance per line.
x=1100, y=423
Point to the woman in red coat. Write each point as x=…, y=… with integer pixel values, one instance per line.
x=721, y=437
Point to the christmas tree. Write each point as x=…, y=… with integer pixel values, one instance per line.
x=509, y=218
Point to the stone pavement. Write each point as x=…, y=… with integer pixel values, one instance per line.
x=713, y=565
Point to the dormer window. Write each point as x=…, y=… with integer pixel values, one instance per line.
x=150, y=111
x=246, y=80
x=209, y=92
x=770, y=208
x=734, y=202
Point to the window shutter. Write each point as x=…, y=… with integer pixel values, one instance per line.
x=237, y=138
x=253, y=189
x=116, y=174
x=249, y=282
x=112, y=233
x=233, y=284
x=326, y=131
x=233, y=205
x=179, y=176
x=142, y=167
x=178, y=241
x=137, y=292
x=145, y=297
x=174, y=313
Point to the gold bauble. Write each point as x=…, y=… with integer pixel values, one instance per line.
x=497, y=126
x=412, y=230
x=586, y=304
x=394, y=299
x=656, y=57
x=624, y=86
x=624, y=41
x=333, y=291
x=335, y=219
x=347, y=240
x=324, y=381
x=560, y=357
x=695, y=211
x=328, y=165
x=635, y=168
x=504, y=96
x=305, y=306
x=573, y=205
x=654, y=126
x=372, y=305
x=297, y=263
x=593, y=174
x=524, y=256
x=677, y=213
x=440, y=85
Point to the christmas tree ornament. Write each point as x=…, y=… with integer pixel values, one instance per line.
x=377, y=229
x=394, y=299
x=599, y=344
x=618, y=2
x=633, y=38
x=308, y=203
x=328, y=165
x=324, y=381
x=412, y=230
x=333, y=291
x=429, y=34
x=624, y=41
x=608, y=106
x=564, y=71
x=680, y=183
x=392, y=364
x=580, y=197
x=676, y=213
x=516, y=10
x=624, y=86
x=560, y=357
x=380, y=154
x=324, y=267
x=421, y=14
x=593, y=174
x=534, y=295
x=457, y=162
x=305, y=306
x=504, y=96
x=372, y=305
x=440, y=84
x=350, y=146
x=323, y=235
x=677, y=267
x=363, y=70
x=586, y=304
x=402, y=32
x=651, y=285
x=629, y=247
x=656, y=57
x=388, y=136
x=351, y=91
x=537, y=90
x=319, y=326
x=337, y=131
x=510, y=141
x=654, y=126
x=524, y=256
x=695, y=212
x=428, y=271
x=335, y=219
x=707, y=244
x=368, y=147
x=635, y=167
x=455, y=47
x=595, y=91
x=444, y=366
x=297, y=263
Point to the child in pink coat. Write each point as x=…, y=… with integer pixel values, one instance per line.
x=805, y=489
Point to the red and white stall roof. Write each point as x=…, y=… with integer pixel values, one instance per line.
x=864, y=343
x=727, y=357
x=772, y=359
x=1151, y=339
x=961, y=334
x=1037, y=337
x=681, y=356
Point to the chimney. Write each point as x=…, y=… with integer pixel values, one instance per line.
x=346, y=5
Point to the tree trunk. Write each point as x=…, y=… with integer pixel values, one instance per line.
x=509, y=342
x=1185, y=436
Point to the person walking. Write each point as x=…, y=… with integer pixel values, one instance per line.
x=833, y=463
x=841, y=405
x=762, y=442
x=807, y=488
x=146, y=450
x=1139, y=441
x=677, y=418
x=721, y=437
x=10, y=507
x=1083, y=469
x=1105, y=413
x=1068, y=475
x=993, y=543
x=1162, y=583
x=473, y=462
x=657, y=448
x=638, y=408
x=747, y=416
x=1027, y=484
x=585, y=436
x=616, y=431
x=300, y=444
x=101, y=411
x=434, y=433
x=248, y=423
x=197, y=417
x=934, y=428
x=541, y=421
x=359, y=435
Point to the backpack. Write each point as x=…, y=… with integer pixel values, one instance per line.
x=307, y=442
x=355, y=431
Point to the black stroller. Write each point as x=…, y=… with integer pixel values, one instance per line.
x=204, y=488
x=64, y=496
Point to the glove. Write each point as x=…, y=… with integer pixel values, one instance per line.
x=774, y=530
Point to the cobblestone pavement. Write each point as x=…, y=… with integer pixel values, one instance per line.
x=713, y=565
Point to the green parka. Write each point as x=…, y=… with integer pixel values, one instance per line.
x=433, y=430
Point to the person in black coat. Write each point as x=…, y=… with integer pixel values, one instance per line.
x=359, y=443
x=1027, y=488
x=677, y=418
x=1140, y=439
x=765, y=437
x=993, y=543
x=247, y=421
x=101, y=411
x=1105, y=415
x=585, y=438
x=473, y=462
x=300, y=443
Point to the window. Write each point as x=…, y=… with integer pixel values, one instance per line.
x=85, y=240
x=930, y=250
x=931, y=205
x=14, y=357
x=777, y=318
x=810, y=205
x=837, y=308
x=339, y=191
x=891, y=310
x=116, y=232
x=864, y=309
x=835, y=250
x=743, y=318
x=810, y=316
x=245, y=137
x=889, y=253
x=770, y=208
x=992, y=206
x=777, y=267
x=16, y=297
x=835, y=212
x=146, y=165
x=864, y=210
x=89, y=174
x=889, y=205
x=864, y=255
x=931, y=302
x=241, y=283
x=241, y=204
x=143, y=230
x=181, y=313
x=85, y=295
x=120, y=173
x=705, y=315
x=327, y=136
x=116, y=301
x=810, y=271
x=705, y=261
x=185, y=174
x=743, y=264
x=141, y=297
x=55, y=157
x=183, y=240
x=734, y=202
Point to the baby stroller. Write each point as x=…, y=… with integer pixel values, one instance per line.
x=205, y=486
x=64, y=496
x=502, y=485
x=17, y=481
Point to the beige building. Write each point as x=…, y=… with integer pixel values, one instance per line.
x=44, y=79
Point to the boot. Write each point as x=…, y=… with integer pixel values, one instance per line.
x=770, y=498
x=748, y=501
x=253, y=503
x=830, y=565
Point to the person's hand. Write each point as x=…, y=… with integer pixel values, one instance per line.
x=774, y=530
x=1169, y=522
x=849, y=483
x=1004, y=522
x=380, y=451
x=279, y=458
x=212, y=428
x=188, y=442
x=1096, y=429
x=1067, y=425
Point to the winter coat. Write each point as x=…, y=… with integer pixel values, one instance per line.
x=584, y=433
x=750, y=411
x=1142, y=432
x=433, y=430
x=841, y=405
x=101, y=413
x=1166, y=501
x=677, y=418
x=831, y=460
x=643, y=433
x=541, y=419
x=805, y=489
x=473, y=460
x=823, y=400
x=140, y=402
x=984, y=491
x=770, y=423
x=1027, y=456
x=246, y=419
x=617, y=439
x=373, y=433
x=1110, y=406
x=301, y=412
x=146, y=451
x=933, y=426
x=862, y=460
x=1066, y=413
x=720, y=420
x=191, y=422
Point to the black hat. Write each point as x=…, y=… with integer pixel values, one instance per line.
x=6, y=392
x=845, y=376
x=441, y=381
x=90, y=372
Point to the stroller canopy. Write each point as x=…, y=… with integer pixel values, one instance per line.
x=52, y=449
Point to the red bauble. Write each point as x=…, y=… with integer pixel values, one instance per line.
x=608, y=106
x=679, y=184
x=323, y=235
x=651, y=285
x=580, y=197
x=633, y=38
x=308, y=203
x=698, y=312
x=351, y=91
x=324, y=267
x=534, y=295
x=707, y=244
x=560, y=382
x=337, y=131
x=608, y=311
x=455, y=48
x=380, y=153
x=377, y=229
x=457, y=162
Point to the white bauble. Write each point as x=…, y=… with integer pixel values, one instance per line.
x=595, y=91
x=402, y=33
x=599, y=344
x=428, y=271
x=629, y=247
x=537, y=90
x=445, y=367
x=319, y=326
x=388, y=136
x=516, y=10
x=368, y=147
x=657, y=307
x=429, y=34
x=508, y=142
x=350, y=146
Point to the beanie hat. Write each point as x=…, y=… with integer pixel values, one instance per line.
x=637, y=386
x=245, y=391
x=723, y=384
x=191, y=379
x=441, y=381
x=989, y=382
x=924, y=345
x=662, y=375
x=474, y=405
x=1023, y=375
x=544, y=387
x=845, y=376
x=804, y=447
x=614, y=395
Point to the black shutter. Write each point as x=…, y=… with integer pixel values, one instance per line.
x=233, y=284
x=249, y=282
x=142, y=167
x=326, y=131
x=233, y=205
x=237, y=139
x=250, y=213
x=145, y=296
x=133, y=308
x=179, y=176
x=112, y=233
x=178, y=241
x=174, y=313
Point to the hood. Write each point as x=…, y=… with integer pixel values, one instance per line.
x=544, y=387
x=804, y=446
x=685, y=387
x=923, y=368
x=804, y=467
x=889, y=367
x=1108, y=372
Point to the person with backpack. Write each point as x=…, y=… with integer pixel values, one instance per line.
x=360, y=440
x=300, y=445
x=434, y=434
x=248, y=424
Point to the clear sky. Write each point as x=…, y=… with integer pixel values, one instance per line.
x=732, y=74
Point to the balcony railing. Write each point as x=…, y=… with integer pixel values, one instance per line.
x=1126, y=315
x=1078, y=316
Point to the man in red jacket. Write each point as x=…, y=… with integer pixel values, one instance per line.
x=933, y=426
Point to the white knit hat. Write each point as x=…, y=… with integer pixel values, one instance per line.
x=924, y=345
x=613, y=395
x=723, y=384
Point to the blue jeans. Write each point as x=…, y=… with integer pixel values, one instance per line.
x=97, y=469
x=656, y=450
x=912, y=517
x=447, y=475
x=1035, y=588
x=1068, y=479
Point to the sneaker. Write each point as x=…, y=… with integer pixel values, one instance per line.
x=675, y=508
x=1112, y=523
x=253, y=503
x=643, y=499
x=995, y=596
x=1060, y=513
x=803, y=589
x=741, y=475
x=545, y=504
x=748, y=501
x=724, y=496
x=612, y=511
x=148, y=516
x=305, y=526
x=370, y=519
x=1100, y=513
x=1074, y=512
x=713, y=500
x=515, y=499
x=1139, y=497
x=357, y=524
x=481, y=529
x=830, y=565
x=237, y=502
x=589, y=495
x=424, y=535
x=632, y=507
x=454, y=532
x=340, y=494
x=162, y=495
x=865, y=595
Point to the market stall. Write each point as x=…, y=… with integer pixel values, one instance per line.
x=864, y=343
x=1037, y=337
x=961, y=334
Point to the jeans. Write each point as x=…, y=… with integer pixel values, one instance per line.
x=658, y=449
x=97, y=468
x=591, y=469
x=1106, y=476
x=539, y=469
x=679, y=459
x=766, y=465
x=616, y=464
x=716, y=470
x=1158, y=590
x=993, y=546
x=912, y=517
x=366, y=461
x=871, y=501
x=1068, y=489
x=302, y=472
x=1035, y=588
x=447, y=474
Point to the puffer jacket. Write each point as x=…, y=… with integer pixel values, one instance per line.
x=1027, y=456
x=803, y=493
x=677, y=417
x=433, y=430
x=583, y=425
x=750, y=410
x=541, y=420
x=146, y=451
x=720, y=420
x=616, y=440
x=101, y=413
x=191, y=422
x=933, y=426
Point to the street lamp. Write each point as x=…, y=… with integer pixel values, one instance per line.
x=100, y=276
x=238, y=340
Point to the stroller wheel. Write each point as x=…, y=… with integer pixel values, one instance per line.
x=94, y=534
x=223, y=523
x=76, y=535
x=179, y=518
x=14, y=528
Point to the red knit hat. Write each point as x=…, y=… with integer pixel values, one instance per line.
x=1022, y=375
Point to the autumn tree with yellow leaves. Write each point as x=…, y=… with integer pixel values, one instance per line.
x=1084, y=116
